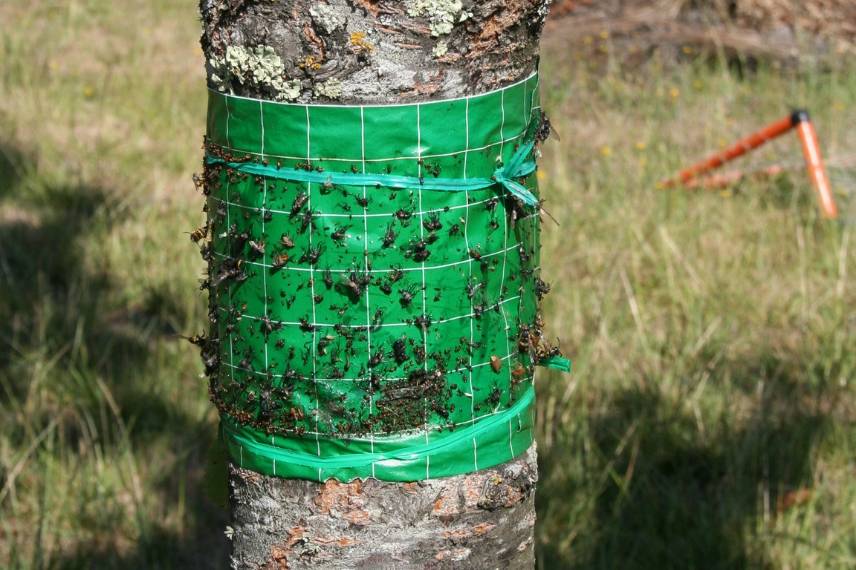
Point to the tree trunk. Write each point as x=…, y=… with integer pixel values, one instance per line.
x=376, y=51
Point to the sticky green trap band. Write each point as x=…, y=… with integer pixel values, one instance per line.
x=373, y=280
x=389, y=458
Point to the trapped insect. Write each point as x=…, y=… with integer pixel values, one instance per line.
x=280, y=260
x=298, y=203
x=257, y=247
x=399, y=351
x=339, y=234
x=406, y=295
x=376, y=359
x=403, y=215
x=545, y=128
x=312, y=255
x=306, y=220
x=419, y=251
x=389, y=236
x=199, y=233
x=432, y=224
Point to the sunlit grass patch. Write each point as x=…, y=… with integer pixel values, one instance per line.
x=713, y=331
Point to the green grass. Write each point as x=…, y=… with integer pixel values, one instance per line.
x=709, y=421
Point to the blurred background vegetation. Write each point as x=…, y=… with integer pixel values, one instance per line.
x=710, y=421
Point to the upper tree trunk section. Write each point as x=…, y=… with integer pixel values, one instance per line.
x=369, y=51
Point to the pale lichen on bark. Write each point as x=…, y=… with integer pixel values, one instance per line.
x=374, y=50
x=377, y=51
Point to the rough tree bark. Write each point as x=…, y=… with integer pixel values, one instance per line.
x=377, y=51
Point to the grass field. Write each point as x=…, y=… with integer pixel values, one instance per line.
x=710, y=421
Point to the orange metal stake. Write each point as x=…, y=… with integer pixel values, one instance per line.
x=726, y=179
x=811, y=150
x=740, y=148
x=816, y=170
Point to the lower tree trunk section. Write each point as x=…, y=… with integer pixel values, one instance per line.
x=479, y=520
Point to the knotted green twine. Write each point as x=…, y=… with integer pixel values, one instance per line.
x=374, y=284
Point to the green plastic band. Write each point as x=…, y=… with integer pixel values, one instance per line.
x=373, y=285
x=396, y=458
x=519, y=167
x=559, y=363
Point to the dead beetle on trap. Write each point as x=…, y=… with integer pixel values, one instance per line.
x=541, y=288
x=403, y=215
x=545, y=128
x=312, y=255
x=339, y=234
x=286, y=241
x=423, y=322
x=199, y=233
x=418, y=251
x=419, y=353
x=377, y=318
x=389, y=236
x=206, y=252
x=268, y=326
x=472, y=287
x=257, y=248
x=432, y=224
x=355, y=284
x=406, y=295
x=376, y=359
x=280, y=260
x=399, y=351
x=323, y=343
x=374, y=381
x=199, y=183
x=306, y=220
x=524, y=342
x=433, y=169
x=290, y=375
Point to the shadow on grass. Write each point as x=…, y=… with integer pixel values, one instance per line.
x=57, y=303
x=670, y=494
x=13, y=162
